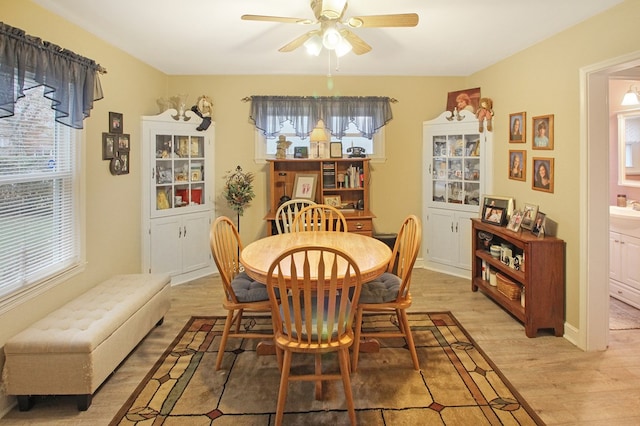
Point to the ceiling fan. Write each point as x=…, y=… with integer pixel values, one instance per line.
x=334, y=32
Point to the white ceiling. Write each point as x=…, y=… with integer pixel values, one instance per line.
x=453, y=37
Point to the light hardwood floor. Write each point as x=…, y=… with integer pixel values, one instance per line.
x=565, y=385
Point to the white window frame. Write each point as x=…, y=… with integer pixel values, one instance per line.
x=261, y=156
x=76, y=264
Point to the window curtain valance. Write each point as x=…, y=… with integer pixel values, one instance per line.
x=368, y=113
x=71, y=81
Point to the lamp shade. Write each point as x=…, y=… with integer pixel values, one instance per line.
x=630, y=98
x=318, y=134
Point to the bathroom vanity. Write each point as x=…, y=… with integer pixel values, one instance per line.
x=624, y=254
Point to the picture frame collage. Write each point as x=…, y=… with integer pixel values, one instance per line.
x=542, y=138
x=116, y=145
x=501, y=211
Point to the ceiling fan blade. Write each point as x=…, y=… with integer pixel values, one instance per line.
x=396, y=20
x=359, y=45
x=293, y=45
x=283, y=19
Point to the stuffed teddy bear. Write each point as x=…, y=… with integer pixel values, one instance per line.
x=203, y=109
x=485, y=111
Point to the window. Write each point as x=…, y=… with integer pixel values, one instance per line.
x=265, y=148
x=40, y=214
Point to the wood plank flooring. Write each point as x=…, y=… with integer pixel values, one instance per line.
x=565, y=385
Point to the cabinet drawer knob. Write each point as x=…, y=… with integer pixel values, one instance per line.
x=619, y=292
x=359, y=225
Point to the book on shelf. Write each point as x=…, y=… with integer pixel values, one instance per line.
x=328, y=175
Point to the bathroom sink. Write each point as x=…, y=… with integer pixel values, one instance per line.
x=624, y=212
x=624, y=220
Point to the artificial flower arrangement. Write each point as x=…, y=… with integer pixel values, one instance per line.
x=238, y=190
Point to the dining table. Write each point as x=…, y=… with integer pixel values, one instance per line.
x=371, y=255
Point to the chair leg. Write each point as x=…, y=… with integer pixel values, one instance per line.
x=223, y=339
x=239, y=320
x=318, y=362
x=343, y=356
x=284, y=385
x=356, y=340
x=404, y=320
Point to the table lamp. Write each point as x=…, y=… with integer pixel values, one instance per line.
x=318, y=141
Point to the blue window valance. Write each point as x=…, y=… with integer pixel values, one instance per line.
x=71, y=81
x=368, y=113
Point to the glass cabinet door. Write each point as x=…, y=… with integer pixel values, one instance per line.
x=456, y=169
x=179, y=172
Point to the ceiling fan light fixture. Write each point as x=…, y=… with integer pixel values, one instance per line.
x=331, y=38
x=313, y=45
x=343, y=48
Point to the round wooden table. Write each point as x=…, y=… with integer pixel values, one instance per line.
x=372, y=256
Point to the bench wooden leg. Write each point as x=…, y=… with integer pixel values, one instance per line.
x=84, y=401
x=25, y=402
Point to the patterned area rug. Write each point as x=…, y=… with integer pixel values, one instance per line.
x=457, y=383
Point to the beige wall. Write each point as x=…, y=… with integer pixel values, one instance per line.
x=543, y=79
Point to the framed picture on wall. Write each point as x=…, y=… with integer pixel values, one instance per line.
x=542, y=131
x=542, y=174
x=108, y=146
x=115, y=122
x=517, y=127
x=517, y=165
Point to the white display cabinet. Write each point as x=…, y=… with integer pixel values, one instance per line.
x=177, y=195
x=457, y=171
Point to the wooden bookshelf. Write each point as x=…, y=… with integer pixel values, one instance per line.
x=542, y=280
x=282, y=176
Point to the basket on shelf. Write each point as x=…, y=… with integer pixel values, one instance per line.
x=508, y=287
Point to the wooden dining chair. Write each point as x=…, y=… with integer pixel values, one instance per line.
x=243, y=294
x=316, y=317
x=319, y=217
x=287, y=211
x=390, y=292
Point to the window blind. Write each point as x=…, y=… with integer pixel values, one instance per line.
x=39, y=227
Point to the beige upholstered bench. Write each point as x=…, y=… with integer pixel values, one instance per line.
x=74, y=349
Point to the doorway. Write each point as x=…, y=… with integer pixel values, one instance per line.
x=594, y=193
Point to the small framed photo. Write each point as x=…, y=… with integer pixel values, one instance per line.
x=515, y=221
x=466, y=100
x=493, y=215
x=305, y=187
x=529, y=212
x=517, y=127
x=108, y=146
x=538, y=225
x=123, y=143
x=543, y=132
x=517, y=165
x=505, y=203
x=333, y=201
x=300, y=152
x=115, y=122
x=542, y=174
x=335, y=150
x=125, y=160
